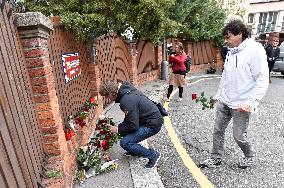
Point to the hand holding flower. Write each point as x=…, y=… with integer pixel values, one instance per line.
x=113, y=129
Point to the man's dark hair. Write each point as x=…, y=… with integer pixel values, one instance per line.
x=236, y=27
x=108, y=87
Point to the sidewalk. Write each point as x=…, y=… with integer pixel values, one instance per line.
x=131, y=172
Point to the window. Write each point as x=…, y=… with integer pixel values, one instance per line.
x=282, y=28
x=250, y=19
x=267, y=22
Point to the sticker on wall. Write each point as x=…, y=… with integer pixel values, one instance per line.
x=71, y=66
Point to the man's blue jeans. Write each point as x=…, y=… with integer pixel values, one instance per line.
x=130, y=141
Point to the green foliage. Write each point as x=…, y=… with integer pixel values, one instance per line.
x=91, y=158
x=53, y=173
x=204, y=21
x=154, y=19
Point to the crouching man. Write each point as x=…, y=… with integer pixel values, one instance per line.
x=142, y=119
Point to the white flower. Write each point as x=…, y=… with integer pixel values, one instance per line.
x=107, y=164
x=84, y=148
x=85, y=163
x=101, y=116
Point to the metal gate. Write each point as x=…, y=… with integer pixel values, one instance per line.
x=21, y=152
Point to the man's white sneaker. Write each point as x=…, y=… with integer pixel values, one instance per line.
x=246, y=162
x=210, y=163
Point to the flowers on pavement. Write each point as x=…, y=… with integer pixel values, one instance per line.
x=94, y=158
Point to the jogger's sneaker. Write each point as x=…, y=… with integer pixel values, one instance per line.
x=153, y=162
x=246, y=162
x=179, y=99
x=210, y=163
x=129, y=154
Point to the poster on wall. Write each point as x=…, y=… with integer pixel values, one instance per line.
x=71, y=66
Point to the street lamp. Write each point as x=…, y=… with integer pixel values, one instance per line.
x=165, y=64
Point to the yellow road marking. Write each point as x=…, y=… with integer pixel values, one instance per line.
x=191, y=166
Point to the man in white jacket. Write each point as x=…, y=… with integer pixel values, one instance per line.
x=243, y=84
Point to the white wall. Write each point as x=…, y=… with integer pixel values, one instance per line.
x=266, y=7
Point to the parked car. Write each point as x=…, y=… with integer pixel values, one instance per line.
x=279, y=63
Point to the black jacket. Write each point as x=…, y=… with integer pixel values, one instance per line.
x=139, y=110
x=272, y=52
x=224, y=52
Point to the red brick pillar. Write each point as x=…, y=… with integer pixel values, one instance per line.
x=34, y=29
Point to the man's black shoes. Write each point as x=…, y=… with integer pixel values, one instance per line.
x=153, y=162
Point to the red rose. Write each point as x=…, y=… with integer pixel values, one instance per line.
x=98, y=144
x=68, y=136
x=92, y=100
x=83, y=124
x=71, y=132
x=86, y=108
x=104, y=145
x=102, y=121
x=193, y=96
x=97, y=128
x=103, y=131
x=80, y=122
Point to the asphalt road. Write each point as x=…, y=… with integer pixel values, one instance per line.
x=194, y=128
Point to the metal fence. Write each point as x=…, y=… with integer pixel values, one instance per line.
x=21, y=153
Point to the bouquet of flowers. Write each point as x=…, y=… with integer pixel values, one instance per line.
x=89, y=157
x=203, y=100
x=91, y=162
x=94, y=159
x=79, y=119
x=103, y=137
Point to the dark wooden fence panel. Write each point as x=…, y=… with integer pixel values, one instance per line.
x=146, y=58
x=21, y=153
x=202, y=52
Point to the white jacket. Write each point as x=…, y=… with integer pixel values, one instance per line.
x=245, y=77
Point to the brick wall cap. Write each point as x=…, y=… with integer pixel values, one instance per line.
x=33, y=19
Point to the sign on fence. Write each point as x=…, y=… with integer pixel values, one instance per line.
x=71, y=66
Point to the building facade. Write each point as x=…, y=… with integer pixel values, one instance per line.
x=265, y=19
